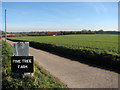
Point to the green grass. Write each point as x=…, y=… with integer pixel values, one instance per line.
x=101, y=42
x=39, y=79
x=98, y=49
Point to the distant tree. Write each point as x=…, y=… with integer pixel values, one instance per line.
x=84, y=30
x=89, y=31
x=101, y=31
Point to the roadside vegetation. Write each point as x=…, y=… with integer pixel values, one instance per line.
x=39, y=79
x=100, y=49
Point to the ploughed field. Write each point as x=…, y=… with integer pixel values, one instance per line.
x=100, y=49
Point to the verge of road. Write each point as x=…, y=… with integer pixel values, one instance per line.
x=73, y=73
x=11, y=43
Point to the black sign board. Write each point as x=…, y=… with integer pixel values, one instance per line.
x=22, y=64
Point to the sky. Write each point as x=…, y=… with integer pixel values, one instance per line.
x=60, y=16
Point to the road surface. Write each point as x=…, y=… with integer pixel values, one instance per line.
x=72, y=73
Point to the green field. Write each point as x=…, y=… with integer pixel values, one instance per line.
x=39, y=79
x=101, y=42
x=96, y=48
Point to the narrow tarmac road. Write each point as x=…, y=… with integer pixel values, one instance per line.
x=72, y=73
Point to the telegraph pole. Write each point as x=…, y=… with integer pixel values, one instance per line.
x=5, y=26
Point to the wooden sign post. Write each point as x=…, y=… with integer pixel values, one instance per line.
x=21, y=62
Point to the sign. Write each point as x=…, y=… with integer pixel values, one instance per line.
x=20, y=48
x=22, y=64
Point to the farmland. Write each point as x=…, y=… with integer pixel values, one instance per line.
x=99, y=49
x=101, y=42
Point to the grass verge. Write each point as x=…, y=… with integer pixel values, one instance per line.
x=39, y=79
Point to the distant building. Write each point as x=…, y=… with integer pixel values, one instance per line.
x=54, y=33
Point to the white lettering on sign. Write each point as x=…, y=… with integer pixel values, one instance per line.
x=16, y=61
x=22, y=66
x=26, y=60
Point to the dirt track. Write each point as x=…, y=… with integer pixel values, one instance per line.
x=73, y=73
